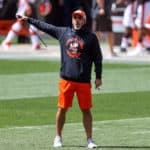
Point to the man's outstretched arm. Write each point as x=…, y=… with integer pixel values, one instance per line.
x=41, y=25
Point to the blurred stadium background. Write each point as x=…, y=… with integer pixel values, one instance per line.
x=57, y=15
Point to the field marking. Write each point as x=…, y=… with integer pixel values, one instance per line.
x=114, y=134
x=142, y=132
x=27, y=86
x=70, y=124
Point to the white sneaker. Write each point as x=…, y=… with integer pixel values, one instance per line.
x=124, y=44
x=91, y=144
x=138, y=50
x=57, y=141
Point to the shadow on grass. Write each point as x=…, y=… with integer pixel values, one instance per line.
x=77, y=146
x=125, y=147
x=111, y=147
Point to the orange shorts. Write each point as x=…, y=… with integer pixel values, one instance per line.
x=67, y=89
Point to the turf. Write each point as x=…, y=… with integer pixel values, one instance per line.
x=33, y=80
x=130, y=134
x=28, y=103
x=27, y=66
x=41, y=111
x=34, y=66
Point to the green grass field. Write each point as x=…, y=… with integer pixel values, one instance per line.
x=28, y=103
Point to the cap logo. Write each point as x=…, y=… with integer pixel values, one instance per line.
x=80, y=13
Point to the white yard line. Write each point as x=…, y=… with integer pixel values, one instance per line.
x=20, y=86
x=141, y=132
x=95, y=123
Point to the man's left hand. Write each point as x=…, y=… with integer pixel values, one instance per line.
x=98, y=83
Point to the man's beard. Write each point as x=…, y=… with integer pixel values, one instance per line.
x=77, y=28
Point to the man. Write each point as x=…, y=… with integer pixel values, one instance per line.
x=140, y=21
x=79, y=50
x=129, y=23
x=146, y=40
x=101, y=13
x=25, y=7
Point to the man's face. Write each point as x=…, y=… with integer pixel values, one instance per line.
x=77, y=22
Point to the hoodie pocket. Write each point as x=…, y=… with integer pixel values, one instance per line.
x=72, y=69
